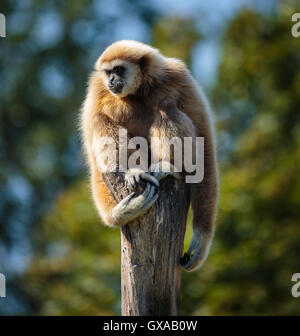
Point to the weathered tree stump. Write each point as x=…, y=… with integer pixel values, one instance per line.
x=151, y=249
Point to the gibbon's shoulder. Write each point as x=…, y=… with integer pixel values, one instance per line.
x=176, y=65
x=178, y=73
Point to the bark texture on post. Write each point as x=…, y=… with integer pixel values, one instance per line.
x=151, y=249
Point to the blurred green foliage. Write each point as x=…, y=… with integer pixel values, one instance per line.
x=257, y=248
x=75, y=264
x=78, y=268
x=45, y=59
x=176, y=37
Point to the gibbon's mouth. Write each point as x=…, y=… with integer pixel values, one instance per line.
x=116, y=88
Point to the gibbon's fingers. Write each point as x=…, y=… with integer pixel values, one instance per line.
x=133, y=206
x=132, y=181
x=133, y=177
x=122, y=205
x=151, y=198
x=147, y=193
x=145, y=200
x=191, y=262
x=196, y=254
x=126, y=200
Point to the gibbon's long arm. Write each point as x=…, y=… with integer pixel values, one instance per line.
x=204, y=195
x=117, y=209
x=171, y=123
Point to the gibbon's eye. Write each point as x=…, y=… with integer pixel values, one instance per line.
x=108, y=72
x=119, y=70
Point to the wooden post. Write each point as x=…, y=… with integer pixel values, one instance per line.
x=151, y=249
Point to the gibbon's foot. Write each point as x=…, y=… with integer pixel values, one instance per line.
x=135, y=205
x=162, y=169
x=134, y=176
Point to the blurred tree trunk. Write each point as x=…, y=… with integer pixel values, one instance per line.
x=151, y=249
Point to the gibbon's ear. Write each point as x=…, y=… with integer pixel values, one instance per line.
x=142, y=62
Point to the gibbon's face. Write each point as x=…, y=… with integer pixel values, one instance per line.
x=121, y=77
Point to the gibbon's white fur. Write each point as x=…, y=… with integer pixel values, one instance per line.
x=137, y=88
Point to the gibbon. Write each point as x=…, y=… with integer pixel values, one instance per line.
x=135, y=87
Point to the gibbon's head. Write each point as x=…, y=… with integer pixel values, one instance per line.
x=125, y=66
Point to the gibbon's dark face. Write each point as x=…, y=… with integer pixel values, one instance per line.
x=116, y=78
x=121, y=77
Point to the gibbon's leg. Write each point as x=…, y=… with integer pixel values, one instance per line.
x=108, y=177
x=170, y=125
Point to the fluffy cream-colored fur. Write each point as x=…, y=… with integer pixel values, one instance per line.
x=151, y=80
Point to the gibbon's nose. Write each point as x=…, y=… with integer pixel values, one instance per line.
x=112, y=79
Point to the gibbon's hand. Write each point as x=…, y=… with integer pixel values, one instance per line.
x=134, y=205
x=197, y=252
x=134, y=176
